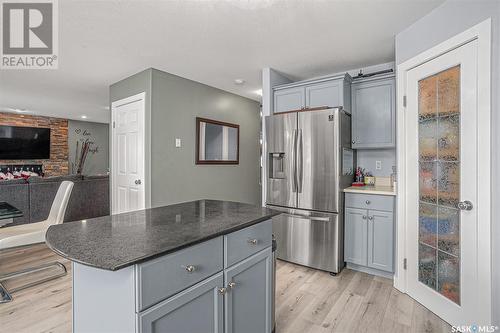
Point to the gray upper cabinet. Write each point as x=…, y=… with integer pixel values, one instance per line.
x=325, y=92
x=248, y=296
x=374, y=113
x=289, y=99
x=177, y=313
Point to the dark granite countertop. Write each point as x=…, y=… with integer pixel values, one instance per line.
x=117, y=241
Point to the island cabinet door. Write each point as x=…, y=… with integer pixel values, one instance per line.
x=198, y=309
x=248, y=295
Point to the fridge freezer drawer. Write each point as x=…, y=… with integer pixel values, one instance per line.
x=309, y=238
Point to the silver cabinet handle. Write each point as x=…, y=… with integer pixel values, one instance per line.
x=364, y=217
x=252, y=241
x=368, y=202
x=370, y=217
x=232, y=285
x=465, y=205
x=189, y=268
x=353, y=141
x=222, y=290
x=137, y=182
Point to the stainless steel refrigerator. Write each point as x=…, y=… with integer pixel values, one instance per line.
x=309, y=162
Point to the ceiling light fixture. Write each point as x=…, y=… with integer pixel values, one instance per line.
x=258, y=92
x=239, y=81
x=83, y=117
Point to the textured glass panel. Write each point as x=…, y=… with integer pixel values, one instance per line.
x=439, y=182
x=428, y=224
x=449, y=230
x=449, y=276
x=427, y=98
x=449, y=138
x=448, y=176
x=449, y=91
x=427, y=265
x=428, y=182
x=427, y=139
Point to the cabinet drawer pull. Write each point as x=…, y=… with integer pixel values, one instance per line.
x=364, y=217
x=253, y=241
x=232, y=285
x=189, y=268
x=222, y=290
x=370, y=217
x=368, y=202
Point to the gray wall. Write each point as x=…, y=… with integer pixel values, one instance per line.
x=447, y=20
x=97, y=161
x=367, y=158
x=172, y=105
x=175, y=104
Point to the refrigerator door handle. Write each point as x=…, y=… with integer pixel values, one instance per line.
x=294, y=161
x=300, y=156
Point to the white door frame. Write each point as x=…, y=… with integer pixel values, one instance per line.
x=482, y=33
x=114, y=105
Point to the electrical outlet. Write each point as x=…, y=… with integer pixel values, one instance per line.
x=378, y=165
x=177, y=143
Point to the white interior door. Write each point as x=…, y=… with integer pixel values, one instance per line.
x=128, y=160
x=442, y=186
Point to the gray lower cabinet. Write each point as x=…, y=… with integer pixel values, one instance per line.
x=249, y=291
x=369, y=232
x=356, y=235
x=221, y=285
x=380, y=240
x=198, y=309
x=374, y=113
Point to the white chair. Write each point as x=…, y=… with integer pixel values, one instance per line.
x=34, y=233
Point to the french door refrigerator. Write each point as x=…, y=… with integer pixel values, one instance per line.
x=309, y=163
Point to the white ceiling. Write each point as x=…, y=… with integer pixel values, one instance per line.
x=213, y=42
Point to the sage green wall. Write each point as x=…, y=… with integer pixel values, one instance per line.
x=172, y=105
x=175, y=104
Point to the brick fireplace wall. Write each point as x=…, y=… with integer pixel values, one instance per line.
x=58, y=164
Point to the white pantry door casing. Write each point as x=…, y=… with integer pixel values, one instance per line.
x=128, y=154
x=471, y=49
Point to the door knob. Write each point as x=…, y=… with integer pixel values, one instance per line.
x=189, y=268
x=137, y=182
x=465, y=205
x=232, y=285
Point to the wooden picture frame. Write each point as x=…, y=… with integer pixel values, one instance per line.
x=199, y=161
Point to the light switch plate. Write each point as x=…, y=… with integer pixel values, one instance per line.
x=378, y=165
x=177, y=143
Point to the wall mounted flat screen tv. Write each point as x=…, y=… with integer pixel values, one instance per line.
x=24, y=143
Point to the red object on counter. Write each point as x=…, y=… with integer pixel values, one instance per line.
x=358, y=184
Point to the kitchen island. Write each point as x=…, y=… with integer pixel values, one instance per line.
x=200, y=266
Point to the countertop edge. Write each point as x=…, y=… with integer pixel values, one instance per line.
x=370, y=191
x=161, y=253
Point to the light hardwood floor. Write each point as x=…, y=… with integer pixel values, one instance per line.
x=306, y=301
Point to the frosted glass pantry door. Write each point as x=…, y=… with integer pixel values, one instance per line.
x=442, y=190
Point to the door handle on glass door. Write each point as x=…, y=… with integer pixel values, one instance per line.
x=465, y=205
